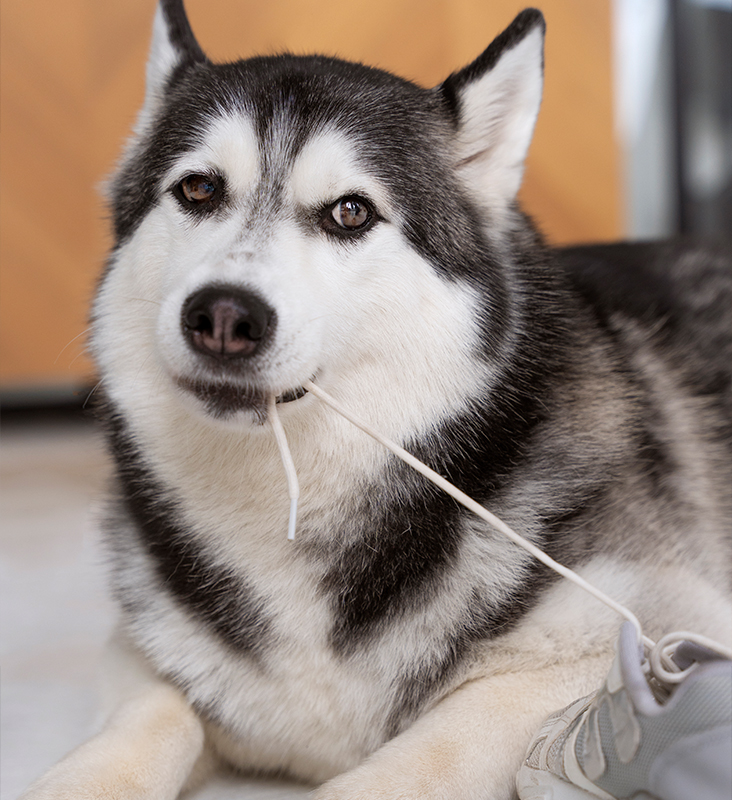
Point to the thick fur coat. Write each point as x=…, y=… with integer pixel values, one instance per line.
x=291, y=218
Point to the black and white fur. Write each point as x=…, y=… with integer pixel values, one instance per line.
x=399, y=648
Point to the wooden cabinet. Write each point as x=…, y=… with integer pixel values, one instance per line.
x=73, y=78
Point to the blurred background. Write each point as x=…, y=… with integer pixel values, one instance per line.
x=634, y=141
x=634, y=137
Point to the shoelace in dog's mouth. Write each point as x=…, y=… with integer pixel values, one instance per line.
x=293, y=486
x=222, y=399
x=291, y=395
x=660, y=663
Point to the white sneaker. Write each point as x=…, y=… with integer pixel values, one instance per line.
x=639, y=738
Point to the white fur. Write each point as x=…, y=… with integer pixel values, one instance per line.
x=162, y=60
x=327, y=168
x=230, y=148
x=498, y=114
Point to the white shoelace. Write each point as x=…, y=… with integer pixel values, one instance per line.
x=660, y=661
x=293, y=485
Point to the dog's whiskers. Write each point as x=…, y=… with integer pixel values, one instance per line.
x=70, y=342
x=144, y=300
x=91, y=393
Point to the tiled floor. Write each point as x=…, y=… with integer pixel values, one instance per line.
x=55, y=614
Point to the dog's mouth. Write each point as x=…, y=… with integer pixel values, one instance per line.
x=223, y=400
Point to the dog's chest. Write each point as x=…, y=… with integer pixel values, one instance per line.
x=301, y=707
x=223, y=605
x=266, y=677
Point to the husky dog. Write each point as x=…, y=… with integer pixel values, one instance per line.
x=286, y=219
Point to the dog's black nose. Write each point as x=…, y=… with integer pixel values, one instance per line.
x=225, y=322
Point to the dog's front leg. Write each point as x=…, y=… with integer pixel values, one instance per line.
x=147, y=749
x=470, y=745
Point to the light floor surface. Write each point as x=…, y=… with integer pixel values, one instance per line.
x=55, y=614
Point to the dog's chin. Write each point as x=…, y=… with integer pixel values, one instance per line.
x=230, y=402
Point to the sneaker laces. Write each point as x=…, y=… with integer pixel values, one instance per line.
x=659, y=663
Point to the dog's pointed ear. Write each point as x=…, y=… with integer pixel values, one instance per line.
x=173, y=44
x=495, y=102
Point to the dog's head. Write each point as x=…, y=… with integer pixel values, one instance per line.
x=287, y=217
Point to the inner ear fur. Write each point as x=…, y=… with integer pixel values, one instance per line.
x=495, y=101
x=173, y=45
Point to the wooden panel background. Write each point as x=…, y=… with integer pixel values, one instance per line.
x=72, y=76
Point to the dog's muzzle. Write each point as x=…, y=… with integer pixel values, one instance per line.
x=226, y=324
x=226, y=327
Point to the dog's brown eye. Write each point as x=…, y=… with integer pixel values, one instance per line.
x=351, y=213
x=197, y=189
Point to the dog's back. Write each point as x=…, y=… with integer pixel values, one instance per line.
x=681, y=290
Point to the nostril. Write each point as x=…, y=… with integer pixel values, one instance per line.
x=225, y=322
x=246, y=331
x=198, y=321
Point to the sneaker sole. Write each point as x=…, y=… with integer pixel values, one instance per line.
x=534, y=784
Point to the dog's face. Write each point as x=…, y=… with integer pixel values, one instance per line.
x=289, y=217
